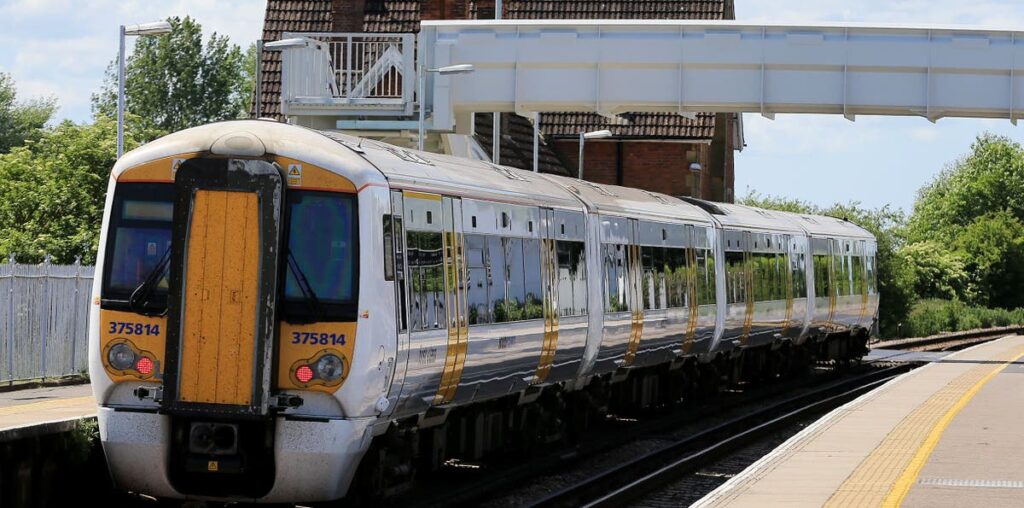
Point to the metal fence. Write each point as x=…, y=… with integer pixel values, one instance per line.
x=44, y=316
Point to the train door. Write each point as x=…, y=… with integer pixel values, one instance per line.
x=692, y=300
x=634, y=285
x=549, y=278
x=748, y=283
x=224, y=275
x=394, y=270
x=457, y=308
x=835, y=280
x=787, y=256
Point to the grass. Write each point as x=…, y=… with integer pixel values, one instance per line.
x=930, y=317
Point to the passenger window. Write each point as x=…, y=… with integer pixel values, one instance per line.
x=497, y=269
x=616, y=278
x=735, y=277
x=478, y=282
x=426, y=273
x=515, y=295
x=534, y=286
x=706, y=293
x=572, y=279
x=676, y=276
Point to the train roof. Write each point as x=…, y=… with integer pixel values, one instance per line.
x=733, y=216
x=630, y=202
x=824, y=225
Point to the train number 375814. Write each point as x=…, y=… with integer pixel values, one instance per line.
x=127, y=328
x=323, y=339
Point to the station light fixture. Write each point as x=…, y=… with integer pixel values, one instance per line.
x=449, y=70
x=283, y=44
x=140, y=30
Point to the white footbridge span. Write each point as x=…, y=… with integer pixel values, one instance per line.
x=614, y=67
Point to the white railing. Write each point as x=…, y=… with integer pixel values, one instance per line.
x=349, y=71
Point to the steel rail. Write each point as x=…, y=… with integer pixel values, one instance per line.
x=620, y=483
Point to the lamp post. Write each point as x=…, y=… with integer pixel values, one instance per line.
x=421, y=94
x=142, y=30
x=591, y=135
x=696, y=168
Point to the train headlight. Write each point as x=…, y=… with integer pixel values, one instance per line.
x=121, y=356
x=329, y=368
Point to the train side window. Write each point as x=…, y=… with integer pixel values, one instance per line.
x=676, y=275
x=478, y=282
x=735, y=277
x=515, y=295
x=426, y=273
x=497, y=270
x=706, y=293
x=389, y=248
x=398, y=235
x=534, y=276
x=572, y=279
x=616, y=278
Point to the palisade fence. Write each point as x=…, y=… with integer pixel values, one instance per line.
x=44, y=320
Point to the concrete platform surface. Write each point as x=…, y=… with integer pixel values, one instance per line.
x=44, y=410
x=946, y=434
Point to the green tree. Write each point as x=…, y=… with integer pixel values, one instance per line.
x=174, y=82
x=19, y=120
x=938, y=271
x=990, y=178
x=993, y=247
x=53, y=189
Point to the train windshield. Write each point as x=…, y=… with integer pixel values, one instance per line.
x=321, y=270
x=139, y=242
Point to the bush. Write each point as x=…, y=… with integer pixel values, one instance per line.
x=931, y=317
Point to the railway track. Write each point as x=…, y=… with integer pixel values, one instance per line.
x=498, y=485
x=627, y=481
x=948, y=341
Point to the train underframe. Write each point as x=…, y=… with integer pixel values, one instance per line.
x=517, y=426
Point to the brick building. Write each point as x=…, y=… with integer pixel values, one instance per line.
x=653, y=151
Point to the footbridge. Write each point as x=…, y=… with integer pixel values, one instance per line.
x=655, y=66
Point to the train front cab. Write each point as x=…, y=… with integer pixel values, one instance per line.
x=226, y=326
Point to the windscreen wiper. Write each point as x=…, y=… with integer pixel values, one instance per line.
x=312, y=302
x=139, y=301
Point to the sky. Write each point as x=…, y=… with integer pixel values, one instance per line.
x=61, y=48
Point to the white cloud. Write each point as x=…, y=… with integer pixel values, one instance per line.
x=62, y=47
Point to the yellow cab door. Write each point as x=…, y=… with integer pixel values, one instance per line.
x=223, y=286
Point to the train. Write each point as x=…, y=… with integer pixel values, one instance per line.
x=289, y=315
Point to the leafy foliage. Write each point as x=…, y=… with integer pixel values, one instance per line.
x=20, y=121
x=173, y=81
x=989, y=179
x=938, y=272
x=52, y=191
x=993, y=249
x=931, y=317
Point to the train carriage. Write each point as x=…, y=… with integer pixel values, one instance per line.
x=274, y=301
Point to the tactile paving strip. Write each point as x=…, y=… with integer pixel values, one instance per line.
x=874, y=479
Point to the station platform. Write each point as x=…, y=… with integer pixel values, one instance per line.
x=27, y=413
x=946, y=434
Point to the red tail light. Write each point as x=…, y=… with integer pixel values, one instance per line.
x=144, y=366
x=304, y=373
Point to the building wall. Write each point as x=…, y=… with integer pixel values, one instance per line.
x=650, y=165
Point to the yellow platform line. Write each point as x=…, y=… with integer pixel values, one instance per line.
x=47, y=404
x=910, y=474
x=885, y=476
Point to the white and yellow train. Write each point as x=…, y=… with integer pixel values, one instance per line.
x=276, y=301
